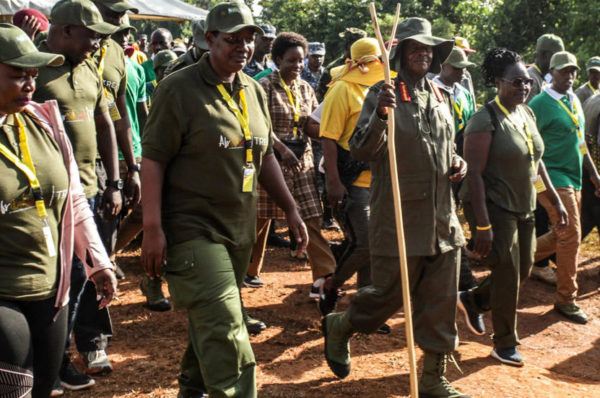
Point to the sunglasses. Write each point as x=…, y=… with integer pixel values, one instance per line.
x=519, y=82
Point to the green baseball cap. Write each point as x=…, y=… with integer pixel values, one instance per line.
x=231, y=18
x=80, y=13
x=549, y=42
x=563, y=59
x=458, y=58
x=118, y=5
x=593, y=64
x=19, y=51
x=162, y=58
x=125, y=25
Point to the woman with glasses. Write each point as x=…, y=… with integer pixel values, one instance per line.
x=44, y=219
x=503, y=149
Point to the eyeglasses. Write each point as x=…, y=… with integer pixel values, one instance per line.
x=240, y=41
x=519, y=82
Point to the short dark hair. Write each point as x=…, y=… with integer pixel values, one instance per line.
x=496, y=62
x=286, y=40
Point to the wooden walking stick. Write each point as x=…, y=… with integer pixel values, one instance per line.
x=414, y=389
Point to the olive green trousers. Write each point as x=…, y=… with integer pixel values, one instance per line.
x=433, y=284
x=204, y=278
x=510, y=261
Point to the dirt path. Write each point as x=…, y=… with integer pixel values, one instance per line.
x=562, y=359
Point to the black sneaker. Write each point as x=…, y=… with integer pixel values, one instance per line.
x=253, y=281
x=72, y=380
x=330, y=225
x=508, y=355
x=384, y=329
x=328, y=297
x=473, y=318
x=572, y=312
x=277, y=240
x=57, y=390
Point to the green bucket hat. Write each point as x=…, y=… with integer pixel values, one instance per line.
x=118, y=5
x=563, y=59
x=81, y=13
x=19, y=51
x=593, y=64
x=231, y=18
x=458, y=58
x=419, y=29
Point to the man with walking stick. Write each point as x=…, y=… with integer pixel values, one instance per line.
x=427, y=164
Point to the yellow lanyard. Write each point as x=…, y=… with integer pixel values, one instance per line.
x=295, y=104
x=242, y=117
x=538, y=69
x=27, y=167
x=572, y=116
x=591, y=88
x=459, y=112
x=101, y=62
x=526, y=134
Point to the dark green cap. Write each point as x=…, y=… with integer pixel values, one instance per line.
x=19, y=51
x=593, y=64
x=231, y=18
x=80, y=13
x=419, y=29
x=458, y=58
x=118, y=5
x=198, y=26
x=163, y=57
x=350, y=35
x=125, y=25
x=563, y=59
x=549, y=42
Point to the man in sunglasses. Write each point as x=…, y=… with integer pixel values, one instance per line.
x=561, y=122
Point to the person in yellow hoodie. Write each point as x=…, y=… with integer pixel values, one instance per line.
x=348, y=180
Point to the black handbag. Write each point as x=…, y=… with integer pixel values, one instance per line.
x=296, y=146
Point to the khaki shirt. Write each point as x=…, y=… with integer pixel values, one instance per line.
x=425, y=152
x=585, y=92
x=80, y=96
x=28, y=272
x=192, y=130
x=538, y=83
x=114, y=74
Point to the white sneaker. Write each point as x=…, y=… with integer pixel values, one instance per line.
x=545, y=274
x=316, y=286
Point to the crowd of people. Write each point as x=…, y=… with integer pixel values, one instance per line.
x=204, y=144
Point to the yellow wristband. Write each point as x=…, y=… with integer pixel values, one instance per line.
x=489, y=226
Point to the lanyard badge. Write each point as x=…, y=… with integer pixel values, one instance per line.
x=27, y=167
x=248, y=170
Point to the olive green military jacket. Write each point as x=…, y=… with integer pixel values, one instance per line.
x=538, y=83
x=425, y=152
x=184, y=60
x=584, y=92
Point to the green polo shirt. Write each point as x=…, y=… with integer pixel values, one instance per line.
x=27, y=271
x=135, y=93
x=562, y=157
x=80, y=96
x=508, y=172
x=114, y=76
x=192, y=130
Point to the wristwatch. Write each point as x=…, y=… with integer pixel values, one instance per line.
x=118, y=184
x=133, y=167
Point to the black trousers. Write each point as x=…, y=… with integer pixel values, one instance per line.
x=31, y=347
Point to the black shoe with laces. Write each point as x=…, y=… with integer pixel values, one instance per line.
x=253, y=281
x=72, y=380
x=508, y=355
x=473, y=318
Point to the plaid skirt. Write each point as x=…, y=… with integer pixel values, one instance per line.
x=302, y=186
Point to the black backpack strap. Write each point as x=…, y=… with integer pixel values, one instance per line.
x=493, y=116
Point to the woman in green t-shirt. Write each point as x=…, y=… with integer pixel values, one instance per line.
x=44, y=218
x=503, y=149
